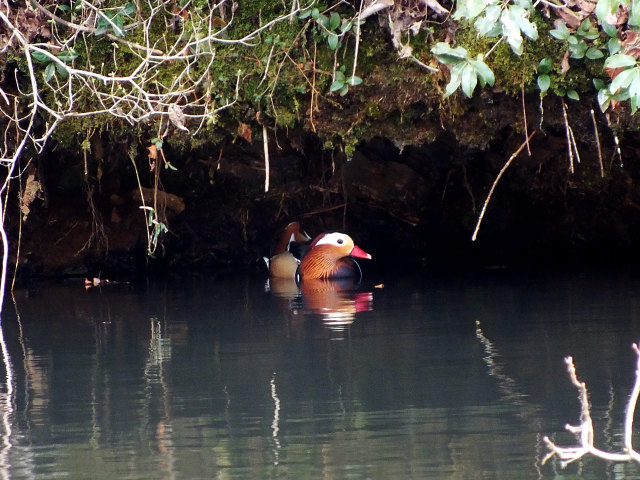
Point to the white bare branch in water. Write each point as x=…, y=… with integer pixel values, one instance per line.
x=584, y=431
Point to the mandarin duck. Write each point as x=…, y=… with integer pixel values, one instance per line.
x=287, y=253
x=330, y=256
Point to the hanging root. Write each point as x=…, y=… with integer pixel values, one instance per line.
x=495, y=182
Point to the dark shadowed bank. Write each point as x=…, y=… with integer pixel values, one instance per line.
x=390, y=162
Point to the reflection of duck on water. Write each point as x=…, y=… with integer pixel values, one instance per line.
x=335, y=300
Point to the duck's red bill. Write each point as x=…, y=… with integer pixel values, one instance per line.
x=358, y=252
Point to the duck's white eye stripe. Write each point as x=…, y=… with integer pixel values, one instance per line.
x=334, y=238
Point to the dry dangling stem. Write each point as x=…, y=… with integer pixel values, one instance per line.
x=495, y=182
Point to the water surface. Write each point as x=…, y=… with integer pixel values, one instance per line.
x=424, y=377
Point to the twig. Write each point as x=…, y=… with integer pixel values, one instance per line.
x=585, y=430
x=595, y=129
x=495, y=182
x=524, y=120
x=265, y=144
x=572, y=146
x=616, y=141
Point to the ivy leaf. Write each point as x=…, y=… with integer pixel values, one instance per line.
x=511, y=30
x=519, y=16
x=62, y=71
x=129, y=8
x=544, y=81
x=470, y=9
x=40, y=57
x=447, y=55
x=483, y=71
x=468, y=80
x=619, y=60
x=454, y=83
x=50, y=71
x=67, y=55
x=488, y=25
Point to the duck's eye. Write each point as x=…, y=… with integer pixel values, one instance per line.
x=340, y=241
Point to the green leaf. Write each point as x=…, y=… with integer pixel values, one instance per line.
x=468, y=80
x=519, y=16
x=346, y=26
x=483, y=71
x=511, y=30
x=102, y=27
x=634, y=15
x=622, y=80
x=561, y=32
x=604, y=8
x=545, y=65
x=604, y=99
x=594, y=53
x=129, y=8
x=470, y=9
x=544, y=81
x=586, y=30
x=68, y=55
x=49, y=72
x=455, y=80
x=62, y=71
x=40, y=57
x=332, y=38
x=573, y=95
x=598, y=83
x=619, y=60
x=614, y=46
x=323, y=20
x=336, y=85
x=447, y=55
x=488, y=25
x=315, y=13
x=343, y=91
x=354, y=80
x=334, y=21
x=609, y=29
x=578, y=50
x=304, y=14
x=118, y=29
